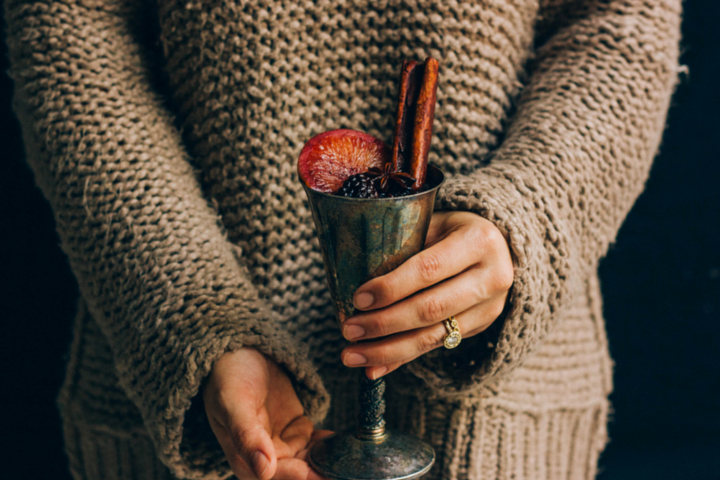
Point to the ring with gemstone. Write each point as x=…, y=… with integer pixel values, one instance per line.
x=453, y=337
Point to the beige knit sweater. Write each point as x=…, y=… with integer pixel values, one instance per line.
x=165, y=134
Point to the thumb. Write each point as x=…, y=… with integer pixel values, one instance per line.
x=251, y=440
x=234, y=399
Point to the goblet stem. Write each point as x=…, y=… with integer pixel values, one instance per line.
x=371, y=423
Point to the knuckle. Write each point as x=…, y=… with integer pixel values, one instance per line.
x=507, y=276
x=382, y=356
x=428, y=267
x=480, y=293
x=432, y=310
x=385, y=288
x=492, y=235
x=496, y=310
x=501, y=279
x=477, y=239
x=485, y=237
x=379, y=326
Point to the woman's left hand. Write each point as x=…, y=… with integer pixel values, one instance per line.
x=465, y=270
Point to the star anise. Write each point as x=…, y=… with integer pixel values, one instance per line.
x=383, y=176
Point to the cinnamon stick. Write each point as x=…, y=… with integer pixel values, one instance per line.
x=409, y=89
x=422, y=131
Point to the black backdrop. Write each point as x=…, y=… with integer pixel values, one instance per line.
x=661, y=282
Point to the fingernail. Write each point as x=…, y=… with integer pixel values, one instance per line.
x=364, y=300
x=260, y=463
x=378, y=372
x=354, y=359
x=353, y=331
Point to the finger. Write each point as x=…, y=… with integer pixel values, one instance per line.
x=320, y=434
x=492, y=313
x=373, y=373
x=237, y=464
x=235, y=407
x=251, y=438
x=426, y=308
x=294, y=438
x=456, y=252
x=283, y=403
x=404, y=347
x=317, y=435
x=295, y=469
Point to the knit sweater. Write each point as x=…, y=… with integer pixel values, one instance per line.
x=165, y=134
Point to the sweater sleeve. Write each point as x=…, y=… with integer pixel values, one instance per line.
x=158, y=274
x=574, y=159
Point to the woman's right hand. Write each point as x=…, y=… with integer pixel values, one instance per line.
x=258, y=419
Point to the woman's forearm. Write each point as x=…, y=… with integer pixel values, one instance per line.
x=575, y=158
x=151, y=261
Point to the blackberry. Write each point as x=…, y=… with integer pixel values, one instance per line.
x=361, y=185
x=404, y=192
x=397, y=190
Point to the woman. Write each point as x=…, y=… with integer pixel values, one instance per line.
x=165, y=136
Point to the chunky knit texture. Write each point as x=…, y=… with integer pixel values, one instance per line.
x=165, y=136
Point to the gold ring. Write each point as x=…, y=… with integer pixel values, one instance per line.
x=453, y=337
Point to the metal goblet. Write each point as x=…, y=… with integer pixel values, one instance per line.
x=360, y=240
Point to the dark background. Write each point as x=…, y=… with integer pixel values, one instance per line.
x=661, y=282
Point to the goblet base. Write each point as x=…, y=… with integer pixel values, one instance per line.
x=395, y=456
